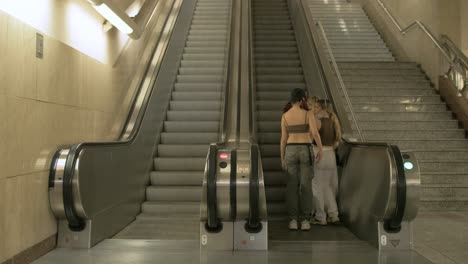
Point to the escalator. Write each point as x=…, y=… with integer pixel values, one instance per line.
x=105, y=185
x=278, y=71
x=147, y=185
x=192, y=123
x=378, y=196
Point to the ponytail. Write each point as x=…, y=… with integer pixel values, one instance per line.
x=336, y=126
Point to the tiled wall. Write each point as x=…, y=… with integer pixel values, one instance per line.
x=66, y=97
x=440, y=16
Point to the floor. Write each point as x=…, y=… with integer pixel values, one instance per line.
x=439, y=238
x=442, y=237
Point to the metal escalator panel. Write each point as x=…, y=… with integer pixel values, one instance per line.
x=193, y=122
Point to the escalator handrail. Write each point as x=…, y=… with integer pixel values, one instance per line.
x=340, y=79
x=227, y=79
x=213, y=223
x=129, y=132
x=253, y=221
x=252, y=79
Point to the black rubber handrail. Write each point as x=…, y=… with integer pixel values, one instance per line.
x=213, y=224
x=233, y=185
x=253, y=224
x=393, y=224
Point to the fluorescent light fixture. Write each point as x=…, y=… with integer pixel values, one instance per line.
x=117, y=17
x=112, y=17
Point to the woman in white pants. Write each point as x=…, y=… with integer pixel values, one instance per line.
x=325, y=182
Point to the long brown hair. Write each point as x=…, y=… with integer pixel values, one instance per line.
x=327, y=106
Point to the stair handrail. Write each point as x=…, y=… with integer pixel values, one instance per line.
x=226, y=82
x=340, y=79
x=460, y=79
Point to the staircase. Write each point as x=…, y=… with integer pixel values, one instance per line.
x=192, y=123
x=394, y=102
x=278, y=71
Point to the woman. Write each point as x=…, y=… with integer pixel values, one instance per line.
x=297, y=130
x=325, y=182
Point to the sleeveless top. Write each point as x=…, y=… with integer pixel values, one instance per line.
x=327, y=132
x=298, y=129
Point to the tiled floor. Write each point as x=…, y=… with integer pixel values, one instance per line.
x=440, y=238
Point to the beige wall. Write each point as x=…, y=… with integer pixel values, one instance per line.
x=67, y=97
x=464, y=25
x=440, y=16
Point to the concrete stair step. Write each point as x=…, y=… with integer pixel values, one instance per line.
x=395, y=99
x=193, y=150
x=393, y=134
x=388, y=84
x=444, y=178
x=395, y=72
x=379, y=66
x=363, y=51
x=368, y=59
x=440, y=144
x=188, y=138
x=390, y=92
x=446, y=190
x=400, y=125
x=402, y=116
x=386, y=78
x=454, y=166
x=443, y=204
x=445, y=155
x=369, y=107
x=175, y=178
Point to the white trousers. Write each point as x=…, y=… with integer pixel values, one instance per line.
x=325, y=186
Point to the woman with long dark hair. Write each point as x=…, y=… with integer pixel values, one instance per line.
x=298, y=128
